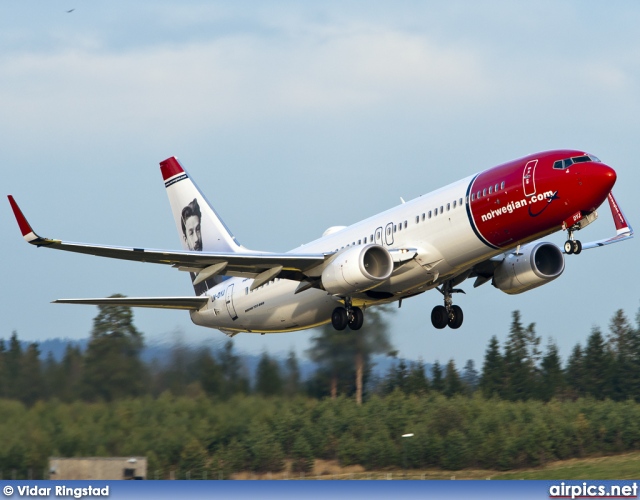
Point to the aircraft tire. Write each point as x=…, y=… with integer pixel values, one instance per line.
x=568, y=247
x=577, y=247
x=456, y=321
x=357, y=320
x=339, y=318
x=439, y=318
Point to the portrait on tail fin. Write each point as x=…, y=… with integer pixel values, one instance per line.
x=191, y=219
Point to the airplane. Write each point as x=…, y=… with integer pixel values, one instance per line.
x=486, y=226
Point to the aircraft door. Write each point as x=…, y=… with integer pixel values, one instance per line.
x=378, y=239
x=529, y=178
x=388, y=234
x=228, y=298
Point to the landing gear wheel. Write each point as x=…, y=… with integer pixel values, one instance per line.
x=357, y=319
x=568, y=247
x=577, y=246
x=339, y=318
x=455, y=317
x=439, y=317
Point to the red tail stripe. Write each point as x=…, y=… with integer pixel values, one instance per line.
x=170, y=167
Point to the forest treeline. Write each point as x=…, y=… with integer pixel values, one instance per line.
x=200, y=412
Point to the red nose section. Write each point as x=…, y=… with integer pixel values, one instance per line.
x=598, y=180
x=608, y=176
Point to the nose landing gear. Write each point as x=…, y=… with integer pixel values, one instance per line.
x=572, y=246
x=449, y=314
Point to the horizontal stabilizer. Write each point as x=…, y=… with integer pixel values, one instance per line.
x=189, y=303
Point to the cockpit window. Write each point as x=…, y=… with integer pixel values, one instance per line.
x=567, y=162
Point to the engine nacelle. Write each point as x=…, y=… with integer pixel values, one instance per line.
x=357, y=269
x=535, y=265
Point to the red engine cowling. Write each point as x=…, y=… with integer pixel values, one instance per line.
x=357, y=269
x=535, y=265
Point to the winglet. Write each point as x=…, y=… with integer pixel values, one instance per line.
x=27, y=233
x=624, y=231
x=618, y=217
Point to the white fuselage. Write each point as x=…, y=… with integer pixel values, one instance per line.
x=446, y=245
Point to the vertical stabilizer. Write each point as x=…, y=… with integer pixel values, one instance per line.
x=199, y=226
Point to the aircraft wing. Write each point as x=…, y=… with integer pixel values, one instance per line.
x=188, y=303
x=204, y=264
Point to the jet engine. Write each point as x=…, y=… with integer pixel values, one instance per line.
x=536, y=264
x=357, y=269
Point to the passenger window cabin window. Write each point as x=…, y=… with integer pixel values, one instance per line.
x=460, y=201
x=496, y=188
x=400, y=227
x=441, y=209
x=423, y=217
x=395, y=228
x=502, y=185
x=454, y=203
x=478, y=194
x=448, y=206
x=490, y=189
x=473, y=196
x=429, y=213
x=365, y=240
x=417, y=219
x=405, y=224
x=359, y=242
x=484, y=192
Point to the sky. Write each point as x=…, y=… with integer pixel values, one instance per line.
x=293, y=117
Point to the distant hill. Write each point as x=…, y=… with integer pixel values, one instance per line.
x=161, y=352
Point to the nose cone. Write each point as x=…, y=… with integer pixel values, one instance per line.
x=607, y=176
x=597, y=180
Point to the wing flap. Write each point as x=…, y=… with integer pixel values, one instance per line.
x=185, y=303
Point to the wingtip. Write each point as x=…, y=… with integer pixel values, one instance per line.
x=25, y=228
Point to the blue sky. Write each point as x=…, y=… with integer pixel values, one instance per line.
x=293, y=117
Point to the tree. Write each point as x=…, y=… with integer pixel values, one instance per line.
x=575, y=372
x=452, y=383
x=292, y=377
x=437, y=381
x=344, y=357
x=268, y=378
x=235, y=380
x=521, y=358
x=624, y=344
x=492, y=378
x=13, y=367
x=417, y=381
x=551, y=376
x=31, y=383
x=470, y=377
x=598, y=364
x=112, y=365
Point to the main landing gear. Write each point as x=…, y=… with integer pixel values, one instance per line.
x=347, y=316
x=449, y=314
x=572, y=245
